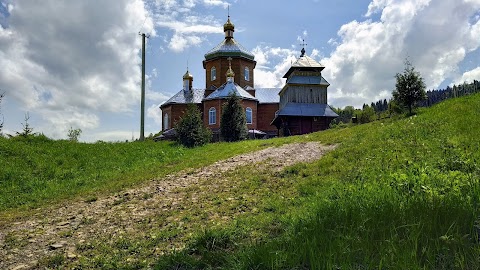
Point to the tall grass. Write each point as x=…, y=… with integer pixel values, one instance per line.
x=36, y=171
x=395, y=195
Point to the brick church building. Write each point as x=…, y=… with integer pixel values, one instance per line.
x=299, y=107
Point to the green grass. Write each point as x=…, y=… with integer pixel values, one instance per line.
x=402, y=193
x=398, y=194
x=37, y=171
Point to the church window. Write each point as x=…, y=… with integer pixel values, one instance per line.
x=212, y=116
x=213, y=74
x=247, y=74
x=249, y=115
x=165, y=121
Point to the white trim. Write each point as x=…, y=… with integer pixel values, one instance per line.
x=212, y=116
x=165, y=121
x=246, y=74
x=247, y=111
x=213, y=74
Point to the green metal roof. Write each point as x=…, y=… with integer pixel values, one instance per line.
x=229, y=47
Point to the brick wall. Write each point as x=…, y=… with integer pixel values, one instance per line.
x=265, y=115
x=221, y=65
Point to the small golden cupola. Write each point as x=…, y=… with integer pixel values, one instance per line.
x=230, y=74
x=228, y=28
x=187, y=81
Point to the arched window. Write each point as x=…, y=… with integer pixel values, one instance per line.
x=246, y=71
x=212, y=116
x=248, y=112
x=213, y=74
x=165, y=121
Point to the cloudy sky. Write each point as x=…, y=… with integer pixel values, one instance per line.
x=77, y=63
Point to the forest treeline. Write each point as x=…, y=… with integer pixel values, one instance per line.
x=386, y=108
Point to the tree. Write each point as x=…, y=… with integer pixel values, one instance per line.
x=27, y=130
x=190, y=129
x=367, y=115
x=409, y=88
x=74, y=134
x=233, y=124
x=1, y=121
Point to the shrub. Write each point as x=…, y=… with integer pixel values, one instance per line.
x=233, y=124
x=190, y=129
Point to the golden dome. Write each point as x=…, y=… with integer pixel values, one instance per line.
x=187, y=75
x=230, y=73
x=228, y=25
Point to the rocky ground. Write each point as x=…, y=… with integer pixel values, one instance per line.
x=70, y=229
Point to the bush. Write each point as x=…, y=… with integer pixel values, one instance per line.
x=367, y=115
x=74, y=134
x=190, y=129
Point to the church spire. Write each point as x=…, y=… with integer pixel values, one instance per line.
x=228, y=27
x=303, y=48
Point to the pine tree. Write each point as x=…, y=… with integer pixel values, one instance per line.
x=409, y=88
x=1, y=120
x=190, y=129
x=27, y=130
x=233, y=124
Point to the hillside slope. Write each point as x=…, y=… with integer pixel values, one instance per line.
x=397, y=194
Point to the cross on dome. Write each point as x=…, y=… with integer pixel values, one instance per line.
x=230, y=74
x=228, y=27
x=303, y=48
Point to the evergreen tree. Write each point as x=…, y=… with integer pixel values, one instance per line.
x=233, y=124
x=27, y=130
x=190, y=129
x=409, y=88
x=1, y=120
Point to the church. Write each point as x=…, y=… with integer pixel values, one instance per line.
x=299, y=107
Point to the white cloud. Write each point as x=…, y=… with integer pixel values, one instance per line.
x=435, y=35
x=469, y=76
x=155, y=113
x=216, y=3
x=376, y=6
x=67, y=62
x=180, y=42
x=281, y=60
x=187, y=26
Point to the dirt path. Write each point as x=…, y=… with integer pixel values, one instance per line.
x=69, y=229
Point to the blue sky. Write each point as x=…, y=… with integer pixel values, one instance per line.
x=77, y=63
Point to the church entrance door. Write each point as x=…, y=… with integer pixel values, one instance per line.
x=306, y=125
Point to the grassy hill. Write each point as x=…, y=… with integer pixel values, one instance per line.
x=397, y=194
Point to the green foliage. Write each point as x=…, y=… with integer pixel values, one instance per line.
x=37, y=170
x=233, y=124
x=409, y=88
x=74, y=134
x=1, y=121
x=344, y=116
x=27, y=130
x=190, y=129
x=52, y=262
x=394, y=194
x=367, y=115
